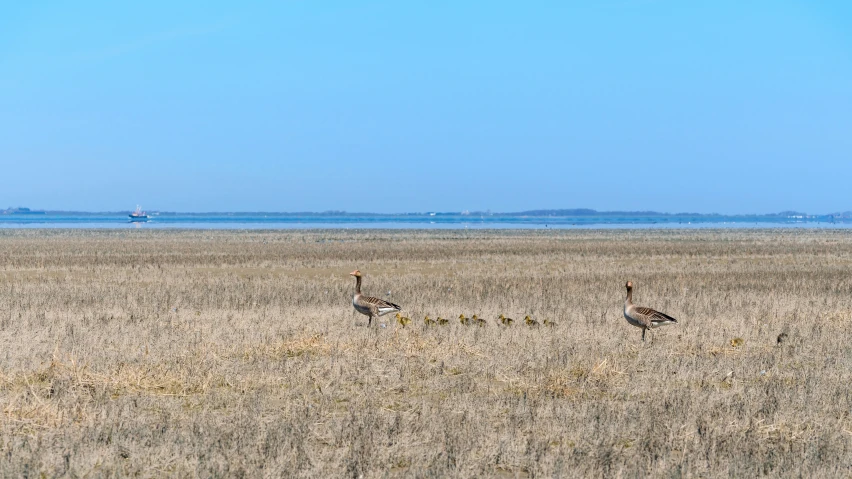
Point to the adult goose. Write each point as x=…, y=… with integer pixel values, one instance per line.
x=642, y=317
x=368, y=305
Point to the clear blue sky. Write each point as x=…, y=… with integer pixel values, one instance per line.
x=389, y=106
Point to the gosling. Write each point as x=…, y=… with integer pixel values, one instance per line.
x=402, y=320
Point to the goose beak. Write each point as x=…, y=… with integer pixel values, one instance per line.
x=354, y=273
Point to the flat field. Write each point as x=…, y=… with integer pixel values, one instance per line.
x=217, y=353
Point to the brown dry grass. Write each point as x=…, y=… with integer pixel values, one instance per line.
x=209, y=354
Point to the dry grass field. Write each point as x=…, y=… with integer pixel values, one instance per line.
x=230, y=354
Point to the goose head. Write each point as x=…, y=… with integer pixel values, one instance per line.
x=355, y=273
x=629, y=285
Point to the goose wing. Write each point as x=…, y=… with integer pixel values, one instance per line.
x=383, y=306
x=654, y=316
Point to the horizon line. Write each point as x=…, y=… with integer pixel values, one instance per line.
x=531, y=212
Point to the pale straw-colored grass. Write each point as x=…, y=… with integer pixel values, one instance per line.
x=215, y=353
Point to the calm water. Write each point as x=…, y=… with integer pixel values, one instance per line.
x=273, y=221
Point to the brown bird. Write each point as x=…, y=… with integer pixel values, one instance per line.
x=368, y=305
x=642, y=317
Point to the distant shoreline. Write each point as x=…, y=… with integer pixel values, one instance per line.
x=556, y=213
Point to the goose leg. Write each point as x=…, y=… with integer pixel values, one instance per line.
x=369, y=320
x=643, y=333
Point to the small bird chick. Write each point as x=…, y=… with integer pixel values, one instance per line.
x=443, y=321
x=549, y=323
x=504, y=320
x=464, y=319
x=402, y=320
x=529, y=321
x=479, y=321
x=428, y=321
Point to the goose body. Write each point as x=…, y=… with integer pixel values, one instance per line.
x=642, y=317
x=368, y=305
